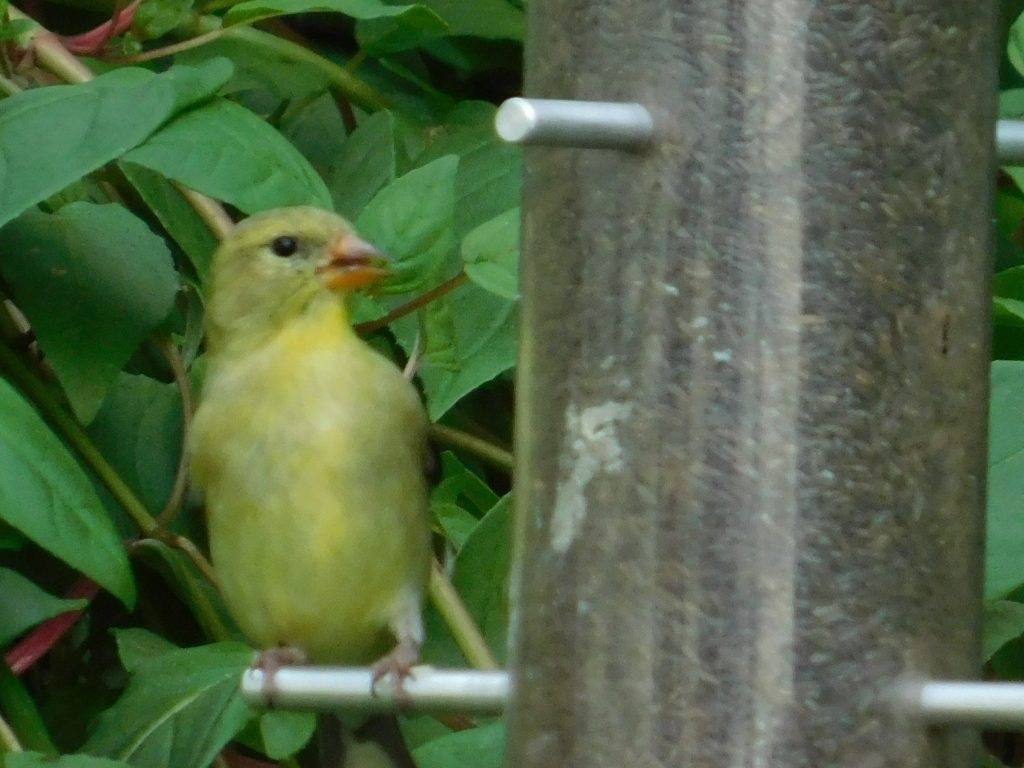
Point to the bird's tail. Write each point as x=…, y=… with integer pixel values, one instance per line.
x=377, y=743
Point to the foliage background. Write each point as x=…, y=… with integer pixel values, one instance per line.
x=121, y=651
x=118, y=650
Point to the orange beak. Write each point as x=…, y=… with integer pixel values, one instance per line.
x=353, y=263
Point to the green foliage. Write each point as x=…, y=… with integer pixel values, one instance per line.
x=477, y=748
x=225, y=151
x=1003, y=637
x=180, y=709
x=104, y=254
x=51, y=137
x=93, y=281
x=491, y=254
x=23, y=605
x=412, y=219
x=45, y=495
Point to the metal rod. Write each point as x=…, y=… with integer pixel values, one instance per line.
x=553, y=123
x=982, y=705
x=426, y=689
x=1010, y=142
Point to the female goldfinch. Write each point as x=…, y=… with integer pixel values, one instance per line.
x=309, y=448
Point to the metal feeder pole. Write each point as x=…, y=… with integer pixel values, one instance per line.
x=753, y=384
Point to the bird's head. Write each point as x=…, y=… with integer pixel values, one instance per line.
x=273, y=266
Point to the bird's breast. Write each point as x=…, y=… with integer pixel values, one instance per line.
x=310, y=453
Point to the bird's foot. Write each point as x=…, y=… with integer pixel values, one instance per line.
x=398, y=665
x=270, y=661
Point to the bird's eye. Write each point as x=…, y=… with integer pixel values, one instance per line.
x=284, y=245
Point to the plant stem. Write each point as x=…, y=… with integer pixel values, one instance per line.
x=192, y=552
x=482, y=449
x=173, y=356
x=56, y=58
x=355, y=61
x=409, y=307
x=41, y=639
x=8, y=738
x=56, y=414
x=9, y=87
x=465, y=631
x=355, y=90
x=210, y=211
x=168, y=50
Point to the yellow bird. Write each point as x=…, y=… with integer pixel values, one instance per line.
x=310, y=449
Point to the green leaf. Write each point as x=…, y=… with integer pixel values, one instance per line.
x=364, y=166
x=309, y=125
x=392, y=34
x=1017, y=174
x=456, y=523
x=38, y=760
x=205, y=601
x=481, y=574
x=481, y=577
x=491, y=254
x=1008, y=311
x=1015, y=45
x=1009, y=283
x=13, y=29
x=285, y=733
x=482, y=747
x=155, y=18
x=49, y=137
x=1004, y=566
x=496, y=19
x=459, y=500
x=22, y=713
x=176, y=215
x=1003, y=622
x=416, y=16
x=484, y=343
x=46, y=496
x=411, y=219
x=180, y=709
x=1011, y=103
x=1009, y=210
x=490, y=174
x=93, y=280
x=139, y=431
x=259, y=67
x=10, y=538
x=225, y=151
x=137, y=646
x=23, y=605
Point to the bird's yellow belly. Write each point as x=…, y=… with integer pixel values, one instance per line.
x=315, y=496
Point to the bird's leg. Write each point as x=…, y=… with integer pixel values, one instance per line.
x=398, y=663
x=270, y=661
x=408, y=629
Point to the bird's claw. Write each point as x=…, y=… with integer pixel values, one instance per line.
x=398, y=665
x=270, y=661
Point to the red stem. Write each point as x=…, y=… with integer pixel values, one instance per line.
x=93, y=42
x=39, y=641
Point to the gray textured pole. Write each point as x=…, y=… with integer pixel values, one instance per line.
x=753, y=382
